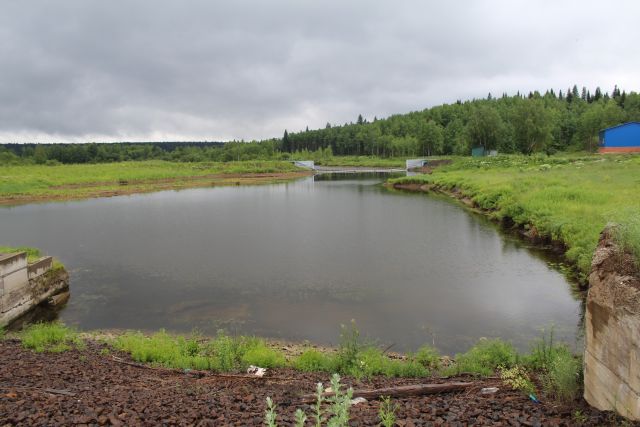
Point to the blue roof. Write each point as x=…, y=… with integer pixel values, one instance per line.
x=620, y=125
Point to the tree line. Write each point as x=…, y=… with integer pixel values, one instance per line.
x=548, y=122
x=535, y=122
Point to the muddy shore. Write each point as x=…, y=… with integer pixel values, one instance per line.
x=96, y=386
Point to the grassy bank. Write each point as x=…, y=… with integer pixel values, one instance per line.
x=555, y=369
x=28, y=183
x=566, y=198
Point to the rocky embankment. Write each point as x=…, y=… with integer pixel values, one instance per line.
x=97, y=386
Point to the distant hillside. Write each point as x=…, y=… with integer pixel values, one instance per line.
x=550, y=122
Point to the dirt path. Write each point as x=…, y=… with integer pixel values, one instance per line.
x=90, y=388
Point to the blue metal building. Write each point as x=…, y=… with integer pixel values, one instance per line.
x=624, y=138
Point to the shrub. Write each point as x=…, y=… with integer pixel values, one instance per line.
x=518, y=379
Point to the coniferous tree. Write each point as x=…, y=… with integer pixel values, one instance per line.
x=575, y=93
x=597, y=95
x=286, y=142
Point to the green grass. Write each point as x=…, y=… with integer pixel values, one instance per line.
x=557, y=368
x=363, y=161
x=223, y=353
x=560, y=370
x=37, y=180
x=33, y=254
x=315, y=361
x=484, y=358
x=566, y=198
x=50, y=337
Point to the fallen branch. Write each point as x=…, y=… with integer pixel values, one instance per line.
x=62, y=392
x=400, y=391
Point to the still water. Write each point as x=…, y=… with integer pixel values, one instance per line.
x=295, y=261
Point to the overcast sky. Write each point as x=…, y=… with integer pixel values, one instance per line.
x=247, y=69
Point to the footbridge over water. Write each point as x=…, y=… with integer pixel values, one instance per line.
x=310, y=164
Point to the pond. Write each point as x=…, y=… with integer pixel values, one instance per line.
x=297, y=260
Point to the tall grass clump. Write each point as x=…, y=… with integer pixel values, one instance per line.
x=564, y=376
x=626, y=232
x=315, y=361
x=51, y=337
x=224, y=353
x=484, y=358
x=358, y=359
x=560, y=371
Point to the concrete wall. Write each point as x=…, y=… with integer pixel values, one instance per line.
x=414, y=163
x=612, y=332
x=23, y=285
x=309, y=164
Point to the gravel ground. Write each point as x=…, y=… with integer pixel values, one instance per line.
x=89, y=387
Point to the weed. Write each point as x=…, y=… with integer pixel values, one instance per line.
x=428, y=357
x=562, y=378
x=337, y=414
x=105, y=352
x=340, y=403
x=579, y=418
x=517, y=378
x=53, y=337
x=543, y=351
x=317, y=408
x=270, y=414
x=387, y=412
x=349, y=348
x=301, y=418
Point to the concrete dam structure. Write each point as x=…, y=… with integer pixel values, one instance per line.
x=24, y=285
x=612, y=336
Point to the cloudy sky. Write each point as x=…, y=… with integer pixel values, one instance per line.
x=90, y=70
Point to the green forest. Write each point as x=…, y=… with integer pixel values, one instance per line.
x=548, y=123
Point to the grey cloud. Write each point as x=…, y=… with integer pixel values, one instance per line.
x=94, y=70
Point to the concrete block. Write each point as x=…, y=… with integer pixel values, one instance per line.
x=40, y=267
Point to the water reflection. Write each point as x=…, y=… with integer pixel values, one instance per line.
x=295, y=261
